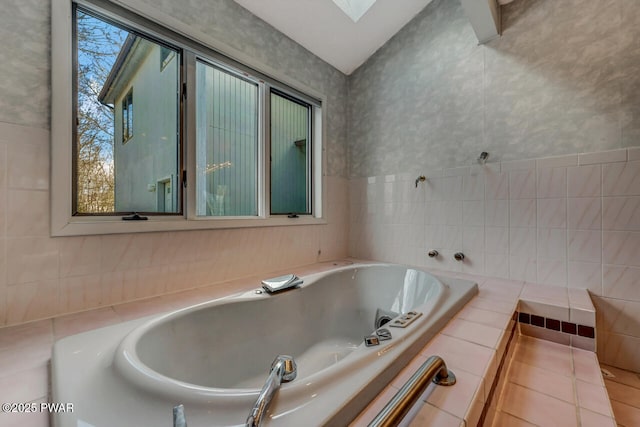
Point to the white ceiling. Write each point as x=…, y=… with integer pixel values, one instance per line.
x=324, y=29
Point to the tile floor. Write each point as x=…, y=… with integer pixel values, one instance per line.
x=547, y=381
x=624, y=392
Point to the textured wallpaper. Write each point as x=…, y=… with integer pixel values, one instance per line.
x=564, y=77
x=25, y=30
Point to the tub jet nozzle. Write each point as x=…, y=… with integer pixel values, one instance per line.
x=383, y=317
x=482, y=158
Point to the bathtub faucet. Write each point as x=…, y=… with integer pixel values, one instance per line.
x=179, y=419
x=283, y=369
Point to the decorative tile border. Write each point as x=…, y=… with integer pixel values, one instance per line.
x=557, y=325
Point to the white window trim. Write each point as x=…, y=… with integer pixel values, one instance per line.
x=63, y=223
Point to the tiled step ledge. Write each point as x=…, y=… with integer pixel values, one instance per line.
x=479, y=346
x=545, y=383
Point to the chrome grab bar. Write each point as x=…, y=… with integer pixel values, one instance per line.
x=434, y=369
x=283, y=369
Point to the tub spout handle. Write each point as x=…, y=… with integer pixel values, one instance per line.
x=283, y=369
x=179, y=419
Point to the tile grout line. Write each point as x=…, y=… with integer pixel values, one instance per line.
x=574, y=382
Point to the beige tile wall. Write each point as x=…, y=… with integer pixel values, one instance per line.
x=569, y=221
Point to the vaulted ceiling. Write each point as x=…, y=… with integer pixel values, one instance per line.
x=325, y=29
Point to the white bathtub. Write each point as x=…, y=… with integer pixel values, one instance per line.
x=215, y=356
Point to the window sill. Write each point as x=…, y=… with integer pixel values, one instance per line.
x=115, y=225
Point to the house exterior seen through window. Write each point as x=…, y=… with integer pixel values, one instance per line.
x=116, y=67
x=227, y=142
x=166, y=126
x=290, y=155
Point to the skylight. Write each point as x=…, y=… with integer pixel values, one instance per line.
x=354, y=8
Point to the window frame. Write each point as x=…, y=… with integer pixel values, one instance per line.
x=145, y=32
x=195, y=44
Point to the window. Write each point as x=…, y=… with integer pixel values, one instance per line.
x=127, y=116
x=113, y=61
x=227, y=142
x=354, y=9
x=290, y=155
x=215, y=143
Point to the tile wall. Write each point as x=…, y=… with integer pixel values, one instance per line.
x=563, y=78
x=569, y=221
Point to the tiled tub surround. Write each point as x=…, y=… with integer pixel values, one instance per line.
x=568, y=222
x=25, y=350
x=222, y=348
x=472, y=345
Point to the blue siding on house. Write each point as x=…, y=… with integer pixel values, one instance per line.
x=290, y=151
x=227, y=144
x=227, y=147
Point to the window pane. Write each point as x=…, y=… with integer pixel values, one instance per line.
x=290, y=156
x=127, y=116
x=227, y=143
x=127, y=121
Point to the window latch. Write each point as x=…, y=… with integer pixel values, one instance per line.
x=292, y=215
x=134, y=217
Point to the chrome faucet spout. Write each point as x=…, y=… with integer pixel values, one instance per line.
x=179, y=419
x=283, y=369
x=281, y=283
